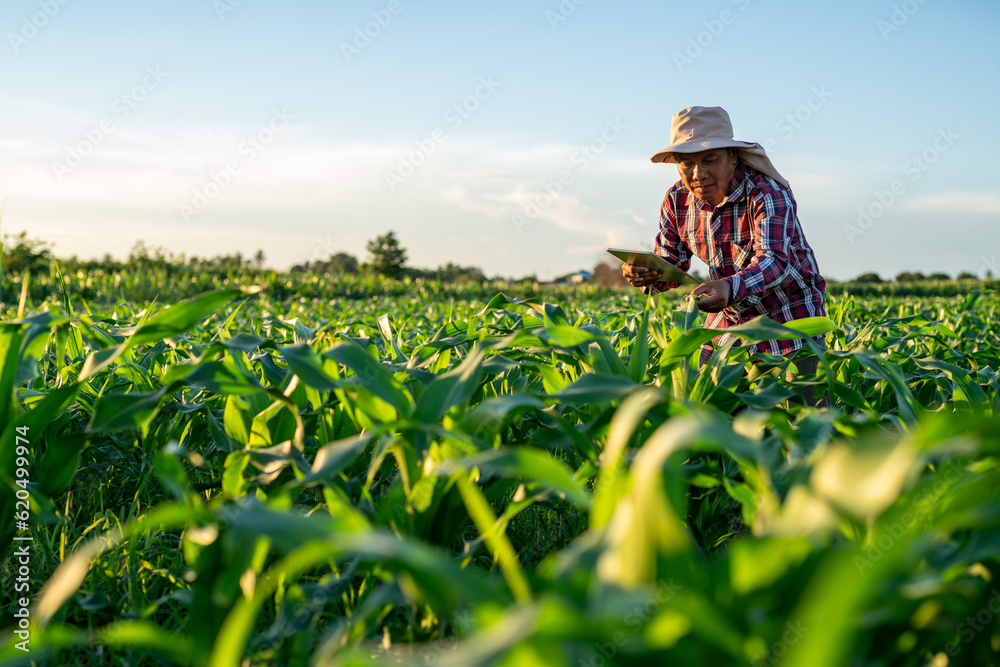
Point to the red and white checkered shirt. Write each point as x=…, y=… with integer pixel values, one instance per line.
x=752, y=239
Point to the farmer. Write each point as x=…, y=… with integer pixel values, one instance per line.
x=734, y=211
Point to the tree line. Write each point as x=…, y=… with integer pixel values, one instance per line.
x=386, y=257
x=917, y=276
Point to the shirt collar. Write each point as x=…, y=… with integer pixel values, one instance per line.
x=737, y=187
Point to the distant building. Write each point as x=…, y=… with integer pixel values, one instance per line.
x=577, y=278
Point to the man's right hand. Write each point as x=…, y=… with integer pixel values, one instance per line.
x=640, y=276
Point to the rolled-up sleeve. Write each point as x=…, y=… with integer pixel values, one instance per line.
x=670, y=246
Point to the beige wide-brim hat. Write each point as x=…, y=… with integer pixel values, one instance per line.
x=697, y=129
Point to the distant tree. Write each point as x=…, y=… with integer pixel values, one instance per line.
x=143, y=256
x=342, y=263
x=20, y=253
x=965, y=275
x=387, y=256
x=939, y=276
x=258, y=260
x=139, y=253
x=909, y=277
x=608, y=274
x=868, y=278
x=108, y=262
x=453, y=273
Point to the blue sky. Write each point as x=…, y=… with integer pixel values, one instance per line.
x=215, y=126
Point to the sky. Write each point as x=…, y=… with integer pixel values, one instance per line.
x=512, y=136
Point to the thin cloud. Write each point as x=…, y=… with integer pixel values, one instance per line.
x=565, y=212
x=959, y=202
x=14, y=144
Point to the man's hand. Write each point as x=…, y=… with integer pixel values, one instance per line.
x=640, y=276
x=717, y=294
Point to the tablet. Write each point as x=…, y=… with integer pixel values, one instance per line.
x=651, y=260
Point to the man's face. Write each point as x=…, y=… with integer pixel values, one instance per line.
x=707, y=174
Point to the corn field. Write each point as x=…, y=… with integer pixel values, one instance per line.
x=425, y=476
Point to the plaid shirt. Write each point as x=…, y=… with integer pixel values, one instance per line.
x=752, y=239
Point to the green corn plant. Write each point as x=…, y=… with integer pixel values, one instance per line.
x=348, y=471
